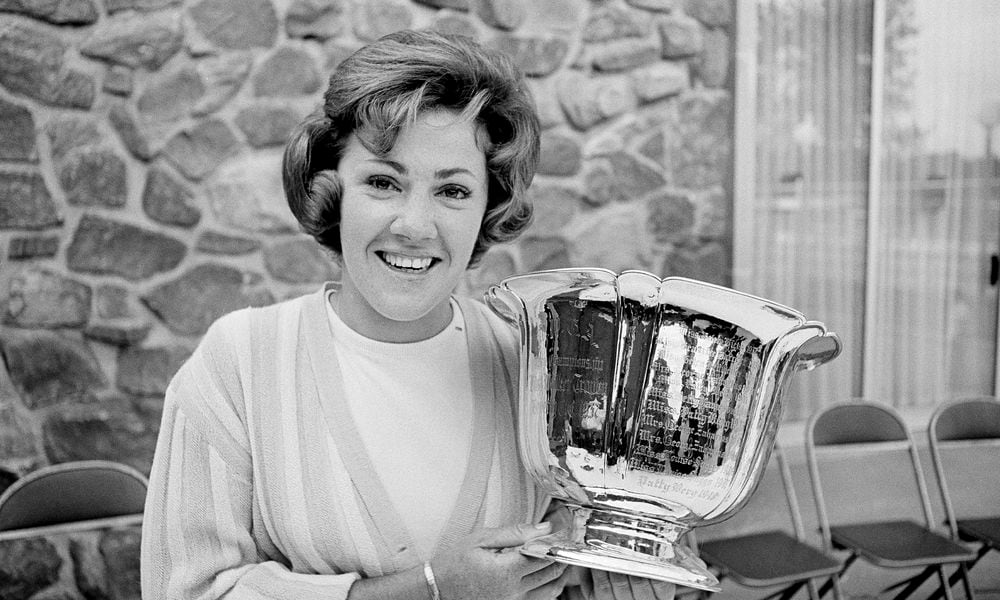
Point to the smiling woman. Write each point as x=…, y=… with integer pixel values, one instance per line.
x=358, y=442
x=409, y=224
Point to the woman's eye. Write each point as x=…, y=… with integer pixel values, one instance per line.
x=381, y=182
x=455, y=192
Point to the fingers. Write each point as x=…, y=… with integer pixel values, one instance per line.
x=601, y=581
x=663, y=590
x=576, y=593
x=652, y=589
x=622, y=588
x=645, y=589
x=548, y=591
x=510, y=536
x=498, y=546
x=543, y=576
x=558, y=515
x=575, y=576
x=616, y=586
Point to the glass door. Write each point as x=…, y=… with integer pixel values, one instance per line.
x=801, y=177
x=866, y=189
x=931, y=322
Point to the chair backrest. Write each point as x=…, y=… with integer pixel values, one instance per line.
x=966, y=419
x=864, y=467
x=774, y=505
x=73, y=491
x=964, y=438
x=856, y=422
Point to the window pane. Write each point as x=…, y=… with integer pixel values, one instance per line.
x=808, y=208
x=936, y=215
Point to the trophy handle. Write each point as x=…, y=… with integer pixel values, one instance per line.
x=820, y=349
x=507, y=305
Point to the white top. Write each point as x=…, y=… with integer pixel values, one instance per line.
x=261, y=484
x=416, y=425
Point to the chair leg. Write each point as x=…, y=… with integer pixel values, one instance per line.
x=826, y=587
x=912, y=584
x=962, y=574
x=838, y=594
x=945, y=586
x=817, y=592
x=833, y=583
x=963, y=570
x=787, y=593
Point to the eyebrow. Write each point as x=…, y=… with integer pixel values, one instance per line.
x=445, y=173
x=440, y=174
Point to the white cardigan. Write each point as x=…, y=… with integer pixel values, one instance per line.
x=261, y=487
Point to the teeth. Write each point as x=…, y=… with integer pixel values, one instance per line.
x=405, y=262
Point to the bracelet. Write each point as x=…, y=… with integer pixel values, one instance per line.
x=432, y=585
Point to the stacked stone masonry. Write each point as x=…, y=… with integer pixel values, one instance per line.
x=140, y=195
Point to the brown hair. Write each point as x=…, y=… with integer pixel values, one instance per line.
x=383, y=87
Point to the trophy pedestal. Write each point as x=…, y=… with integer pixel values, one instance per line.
x=621, y=542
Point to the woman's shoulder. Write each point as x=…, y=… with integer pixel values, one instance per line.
x=498, y=325
x=246, y=324
x=237, y=348
x=502, y=331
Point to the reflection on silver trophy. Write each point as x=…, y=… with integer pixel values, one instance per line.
x=649, y=407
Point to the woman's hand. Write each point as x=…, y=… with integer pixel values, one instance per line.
x=594, y=584
x=615, y=586
x=603, y=585
x=488, y=566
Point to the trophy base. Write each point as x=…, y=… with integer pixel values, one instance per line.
x=622, y=543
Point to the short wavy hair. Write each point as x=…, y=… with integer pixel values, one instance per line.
x=382, y=88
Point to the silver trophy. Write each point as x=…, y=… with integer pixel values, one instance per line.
x=649, y=407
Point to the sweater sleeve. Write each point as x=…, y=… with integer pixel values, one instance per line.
x=198, y=534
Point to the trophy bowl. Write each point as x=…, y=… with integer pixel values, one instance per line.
x=648, y=407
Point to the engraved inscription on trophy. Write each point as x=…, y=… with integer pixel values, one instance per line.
x=581, y=348
x=697, y=382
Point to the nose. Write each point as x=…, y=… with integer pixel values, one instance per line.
x=415, y=218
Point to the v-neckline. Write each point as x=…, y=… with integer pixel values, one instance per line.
x=371, y=490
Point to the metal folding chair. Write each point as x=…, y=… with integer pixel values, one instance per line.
x=964, y=438
x=759, y=556
x=871, y=497
x=72, y=495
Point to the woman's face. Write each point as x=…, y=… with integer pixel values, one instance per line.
x=409, y=222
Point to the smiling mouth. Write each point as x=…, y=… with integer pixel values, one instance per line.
x=406, y=263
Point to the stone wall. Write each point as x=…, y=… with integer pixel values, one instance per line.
x=140, y=197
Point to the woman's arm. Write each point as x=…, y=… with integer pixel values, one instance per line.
x=203, y=536
x=485, y=565
x=196, y=538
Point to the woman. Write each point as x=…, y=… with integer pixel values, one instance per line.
x=358, y=442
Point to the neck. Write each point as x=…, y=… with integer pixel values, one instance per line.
x=375, y=326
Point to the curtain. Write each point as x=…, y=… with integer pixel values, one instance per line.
x=889, y=245
x=933, y=325
x=813, y=62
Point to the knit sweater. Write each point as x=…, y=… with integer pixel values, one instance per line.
x=261, y=487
